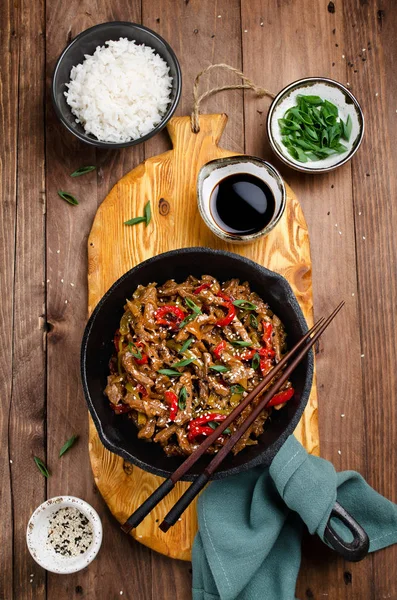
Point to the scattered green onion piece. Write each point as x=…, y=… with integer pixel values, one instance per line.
x=68, y=197
x=67, y=445
x=148, y=213
x=135, y=221
x=82, y=171
x=41, y=467
x=241, y=344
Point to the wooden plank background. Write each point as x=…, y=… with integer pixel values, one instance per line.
x=351, y=215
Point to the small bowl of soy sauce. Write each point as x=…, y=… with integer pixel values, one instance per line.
x=240, y=198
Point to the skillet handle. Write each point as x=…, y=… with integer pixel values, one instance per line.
x=355, y=550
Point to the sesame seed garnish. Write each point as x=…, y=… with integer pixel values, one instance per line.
x=342, y=415
x=61, y=280
x=339, y=452
x=58, y=251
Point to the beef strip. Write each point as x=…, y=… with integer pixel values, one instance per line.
x=130, y=366
x=147, y=431
x=114, y=389
x=164, y=434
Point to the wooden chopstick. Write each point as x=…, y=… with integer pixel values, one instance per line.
x=146, y=507
x=184, y=501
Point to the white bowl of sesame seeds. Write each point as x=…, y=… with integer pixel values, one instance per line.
x=64, y=534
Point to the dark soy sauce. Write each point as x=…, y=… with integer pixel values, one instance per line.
x=242, y=204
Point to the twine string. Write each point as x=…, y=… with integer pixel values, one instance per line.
x=247, y=85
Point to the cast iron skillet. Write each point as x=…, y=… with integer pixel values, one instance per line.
x=117, y=433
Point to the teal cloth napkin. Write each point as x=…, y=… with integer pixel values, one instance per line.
x=250, y=525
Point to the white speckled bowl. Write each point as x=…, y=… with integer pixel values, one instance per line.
x=328, y=89
x=43, y=553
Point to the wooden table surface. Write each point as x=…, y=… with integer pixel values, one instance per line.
x=351, y=215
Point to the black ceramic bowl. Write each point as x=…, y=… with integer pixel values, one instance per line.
x=86, y=43
x=116, y=432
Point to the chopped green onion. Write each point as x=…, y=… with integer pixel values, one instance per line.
x=148, y=213
x=245, y=305
x=253, y=321
x=170, y=372
x=182, y=398
x=214, y=425
x=68, y=197
x=255, y=361
x=135, y=351
x=67, y=445
x=193, y=306
x=312, y=129
x=237, y=389
x=41, y=467
x=187, y=320
x=186, y=345
x=184, y=363
x=220, y=368
x=241, y=344
x=82, y=171
x=135, y=221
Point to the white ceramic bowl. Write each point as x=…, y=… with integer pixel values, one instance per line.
x=214, y=171
x=328, y=89
x=37, y=530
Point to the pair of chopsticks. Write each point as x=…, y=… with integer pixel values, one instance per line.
x=304, y=345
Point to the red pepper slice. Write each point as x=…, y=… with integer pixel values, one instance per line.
x=200, y=288
x=141, y=389
x=267, y=331
x=231, y=311
x=169, y=315
x=267, y=338
x=206, y=418
x=120, y=409
x=197, y=431
x=248, y=354
x=219, y=348
x=172, y=401
x=265, y=365
x=282, y=397
x=145, y=358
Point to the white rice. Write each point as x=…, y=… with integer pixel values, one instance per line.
x=121, y=92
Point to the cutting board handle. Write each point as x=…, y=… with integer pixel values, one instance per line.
x=183, y=137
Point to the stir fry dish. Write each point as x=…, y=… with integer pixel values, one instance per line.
x=186, y=354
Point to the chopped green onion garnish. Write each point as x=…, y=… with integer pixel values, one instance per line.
x=182, y=398
x=67, y=445
x=245, y=305
x=170, y=372
x=186, y=345
x=237, y=389
x=253, y=321
x=193, y=306
x=220, y=368
x=135, y=221
x=184, y=363
x=255, y=361
x=241, y=344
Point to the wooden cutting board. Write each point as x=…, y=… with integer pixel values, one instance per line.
x=169, y=182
